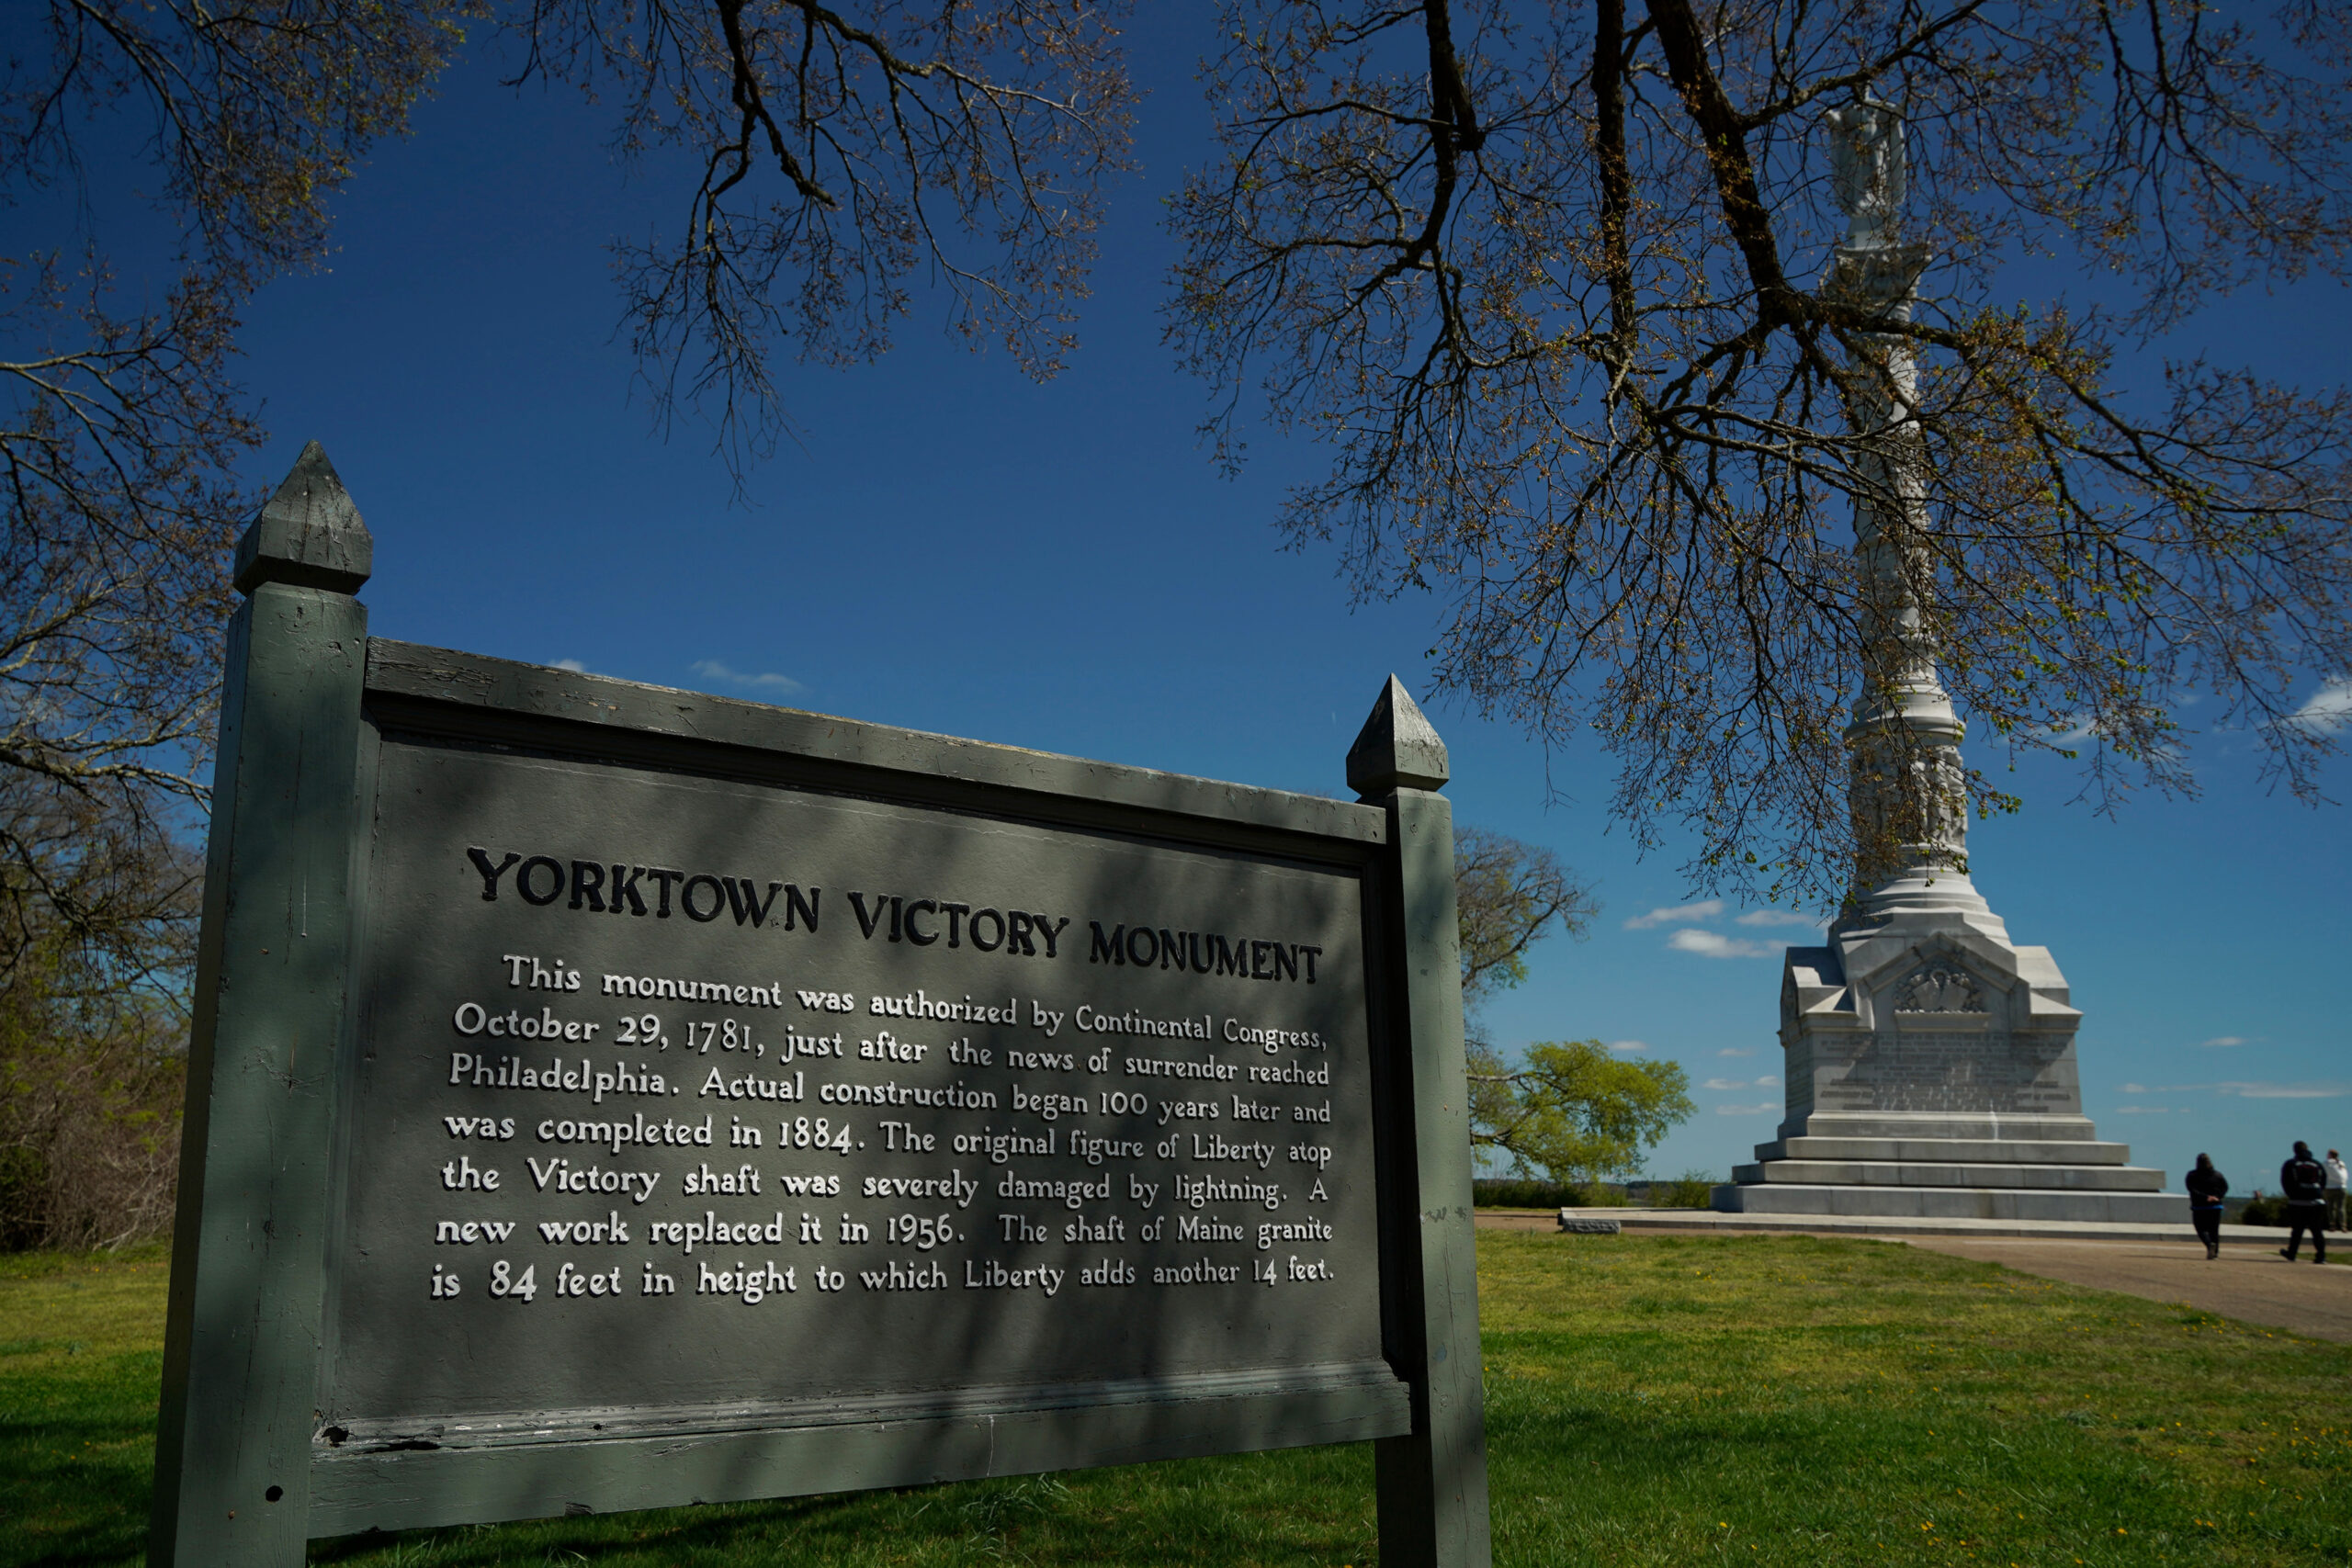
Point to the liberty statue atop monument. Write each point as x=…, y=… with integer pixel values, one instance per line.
x=1931, y=1060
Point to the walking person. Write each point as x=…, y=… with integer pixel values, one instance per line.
x=2207, y=1188
x=2334, y=1191
x=2304, y=1182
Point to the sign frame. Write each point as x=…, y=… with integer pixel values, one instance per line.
x=244, y=1475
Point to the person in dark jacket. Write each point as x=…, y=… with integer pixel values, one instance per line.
x=2207, y=1188
x=2304, y=1182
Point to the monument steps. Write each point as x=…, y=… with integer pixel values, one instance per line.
x=1913, y=1173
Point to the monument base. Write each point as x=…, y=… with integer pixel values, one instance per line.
x=1940, y=1167
x=1931, y=1076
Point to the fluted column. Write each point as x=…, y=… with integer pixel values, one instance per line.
x=1906, y=788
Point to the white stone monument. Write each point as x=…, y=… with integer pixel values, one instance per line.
x=1931, y=1060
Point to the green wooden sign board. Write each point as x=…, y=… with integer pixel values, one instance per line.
x=605, y=1098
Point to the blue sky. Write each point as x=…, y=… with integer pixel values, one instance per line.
x=954, y=547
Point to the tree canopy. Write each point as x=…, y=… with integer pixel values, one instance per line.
x=834, y=153
x=122, y=425
x=1508, y=897
x=1542, y=281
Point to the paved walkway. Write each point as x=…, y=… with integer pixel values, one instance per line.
x=1900, y=1225
x=2249, y=1282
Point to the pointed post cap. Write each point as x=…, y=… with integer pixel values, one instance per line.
x=1398, y=748
x=310, y=534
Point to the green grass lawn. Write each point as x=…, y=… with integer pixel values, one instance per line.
x=1650, y=1400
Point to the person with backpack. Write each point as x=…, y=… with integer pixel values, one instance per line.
x=2304, y=1182
x=2207, y=1188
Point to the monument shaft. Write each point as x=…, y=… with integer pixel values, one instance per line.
x=1930, y=1064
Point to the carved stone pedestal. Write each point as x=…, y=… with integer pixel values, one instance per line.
x=1930, y=1072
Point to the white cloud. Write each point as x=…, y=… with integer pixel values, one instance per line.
x=1736, y=1050
x=2143, y=1110
x=1763, y=1109
x=1768, y=1080
x=1728, y=1083
x=1713, y=944
x=2251, y=1089
x=572, y=664
x=2327, y=708
x=1706, y=910
x=2220, y=1040
x=1629, y=1046
x=768, y=683
x=1778, y=918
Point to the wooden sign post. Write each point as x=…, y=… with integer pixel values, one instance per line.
x=606, y=1096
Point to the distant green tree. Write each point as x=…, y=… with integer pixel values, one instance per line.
x=1573, y=1111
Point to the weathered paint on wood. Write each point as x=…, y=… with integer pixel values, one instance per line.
x=537, y=1481
x=616, y=718
x=234, y=1436
x=1432, y=1480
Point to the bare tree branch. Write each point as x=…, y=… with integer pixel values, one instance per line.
x=1574, y=381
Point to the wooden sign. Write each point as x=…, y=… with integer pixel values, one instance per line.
x=606, y=1096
